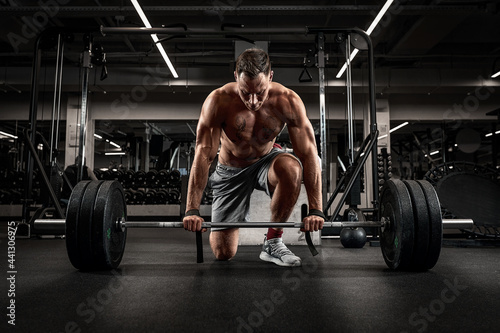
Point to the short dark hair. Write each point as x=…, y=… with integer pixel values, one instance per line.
x=252, y=62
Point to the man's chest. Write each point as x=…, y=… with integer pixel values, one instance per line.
x=257, y=127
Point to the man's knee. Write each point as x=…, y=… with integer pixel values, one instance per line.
x=224, y=243
x=288, y=168
x=224, y=254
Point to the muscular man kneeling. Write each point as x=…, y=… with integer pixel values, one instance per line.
x=244, y=119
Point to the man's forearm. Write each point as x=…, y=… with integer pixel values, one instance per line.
x=197, y=183
x=312, y=182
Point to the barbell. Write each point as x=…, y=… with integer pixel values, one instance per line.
x=96, y=225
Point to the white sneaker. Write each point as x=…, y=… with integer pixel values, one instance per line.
x=273, y=250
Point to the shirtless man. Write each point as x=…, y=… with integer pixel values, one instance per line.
x=244, y=118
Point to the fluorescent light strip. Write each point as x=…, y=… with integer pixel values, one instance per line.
x=393, y=129
x=434, y=152
x=118, y=153
x=342, y=70
x=9, y=135
x=145, y=20
x=379, y=17
x=497, y=132
x=398, y=127
x=495, y=75
x=98, y=136
x=114, y=144
x=368, y=32
x=489, y=134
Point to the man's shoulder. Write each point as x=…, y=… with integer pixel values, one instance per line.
x=227, y=90
x=219, y=100
x=281, y=93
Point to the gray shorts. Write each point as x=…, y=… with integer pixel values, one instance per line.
x=232, y=188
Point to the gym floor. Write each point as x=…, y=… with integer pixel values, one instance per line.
x=159, y=287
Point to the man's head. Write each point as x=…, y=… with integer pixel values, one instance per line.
x=253, y=76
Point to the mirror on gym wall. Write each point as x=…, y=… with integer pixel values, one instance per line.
x=141, y=145
x=416, y=147
x=163, y=144
x=12, y=144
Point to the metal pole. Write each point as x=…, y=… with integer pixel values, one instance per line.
x=373, y=116
x=86, y=65
x=28, y=180
x=55, y=225
x=322, y=114
x=350, y=127
x=59, y=89
x=56, y=77
x=175, y=31
x=154, y=224
x=178, y=158
x=176, y=151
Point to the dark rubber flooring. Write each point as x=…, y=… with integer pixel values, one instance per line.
x=159, y=287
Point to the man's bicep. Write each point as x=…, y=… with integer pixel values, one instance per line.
x=302, y=137
x=207, y=140
x=208, y=131
x=301, y=131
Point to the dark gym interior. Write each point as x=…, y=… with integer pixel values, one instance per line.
x=98, y=130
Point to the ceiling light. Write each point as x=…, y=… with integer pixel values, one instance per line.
x=368, y=32
x=434, y=152
x=8, y=135
x=98, y=136
x=398, y=127
x=154, y=37
x=490, y=134
x=393, y=129
x=342, y=70
x=495, y=75
x=114, y=144
x=11, y=87
x=117, y=153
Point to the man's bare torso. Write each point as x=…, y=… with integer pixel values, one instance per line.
x=248, y=135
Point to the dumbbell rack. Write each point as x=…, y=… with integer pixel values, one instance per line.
x=151, y=193
x=11, y=188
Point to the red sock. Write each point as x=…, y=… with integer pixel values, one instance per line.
x=271, y=233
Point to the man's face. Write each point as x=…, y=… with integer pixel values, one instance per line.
x=253, y=92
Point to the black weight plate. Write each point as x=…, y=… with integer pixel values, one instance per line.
x=421, y=218
x=435, y=223
x=72, y=216
x=396, y=239
x=108, y=242
x=85, y=222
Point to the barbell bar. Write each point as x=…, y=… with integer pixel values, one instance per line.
x=57, y=226
x=408, y=218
